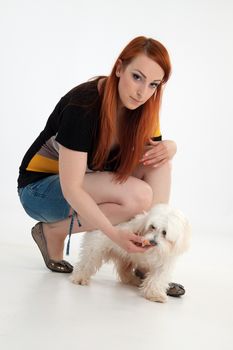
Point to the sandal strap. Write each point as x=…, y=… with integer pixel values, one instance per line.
x=70, y=230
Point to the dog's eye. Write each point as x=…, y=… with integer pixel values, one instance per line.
x=152, y=227
x=164, y=232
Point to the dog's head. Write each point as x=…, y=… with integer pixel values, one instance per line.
x=167, y=229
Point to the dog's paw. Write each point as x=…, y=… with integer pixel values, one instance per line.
x=160, y=298
x=79, y=279
x=157, y=297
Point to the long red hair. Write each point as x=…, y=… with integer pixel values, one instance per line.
x=140, y=123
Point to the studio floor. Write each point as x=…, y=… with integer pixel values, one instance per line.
x=40, y=309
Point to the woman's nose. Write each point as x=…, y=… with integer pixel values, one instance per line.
x=139, y=94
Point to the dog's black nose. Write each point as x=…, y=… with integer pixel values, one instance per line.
x=153, y=242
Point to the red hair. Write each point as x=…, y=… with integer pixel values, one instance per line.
x=140, y=123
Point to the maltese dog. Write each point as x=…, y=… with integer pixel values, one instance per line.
x=166, y=229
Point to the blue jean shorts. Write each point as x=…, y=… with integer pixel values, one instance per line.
x=43, y=200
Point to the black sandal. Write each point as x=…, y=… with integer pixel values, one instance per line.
x=174, y=290
x=55, y=266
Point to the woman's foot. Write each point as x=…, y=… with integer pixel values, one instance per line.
x=55, y=243
x=52, y=264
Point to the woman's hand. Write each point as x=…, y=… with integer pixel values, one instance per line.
x=128, y=240
x=158, y=153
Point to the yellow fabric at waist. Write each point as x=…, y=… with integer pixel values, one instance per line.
x=157, y=132
x=43, y=165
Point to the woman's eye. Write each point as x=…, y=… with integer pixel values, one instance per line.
x=154, y=85
x=136, y=76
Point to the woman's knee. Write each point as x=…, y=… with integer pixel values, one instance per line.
x=172, y=147
x=140, y=198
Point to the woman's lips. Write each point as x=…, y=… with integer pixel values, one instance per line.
x=134, y=99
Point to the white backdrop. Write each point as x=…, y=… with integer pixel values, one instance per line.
x=49, y=46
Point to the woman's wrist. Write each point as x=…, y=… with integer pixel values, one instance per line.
x=111, y=232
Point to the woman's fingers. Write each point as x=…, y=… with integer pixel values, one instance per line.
x=137, y=249
x=154, y=160
x=137, y=244
x=136, y=238
x=154, y=155
x=160, y=163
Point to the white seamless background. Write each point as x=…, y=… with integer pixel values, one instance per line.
x=50, y=46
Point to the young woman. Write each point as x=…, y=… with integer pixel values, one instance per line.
x=101, y=156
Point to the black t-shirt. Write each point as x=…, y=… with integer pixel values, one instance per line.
x=74, y=123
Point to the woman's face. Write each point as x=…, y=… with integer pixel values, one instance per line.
x=138, y=81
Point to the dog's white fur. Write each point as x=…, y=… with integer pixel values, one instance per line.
x=167, y=227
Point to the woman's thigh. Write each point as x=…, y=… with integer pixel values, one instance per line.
x=43, y=200
x=102, y=188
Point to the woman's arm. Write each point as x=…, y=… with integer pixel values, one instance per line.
x=72, y=168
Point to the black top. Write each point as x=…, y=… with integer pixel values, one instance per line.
x=74, y=123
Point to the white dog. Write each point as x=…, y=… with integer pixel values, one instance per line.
x=165, y=228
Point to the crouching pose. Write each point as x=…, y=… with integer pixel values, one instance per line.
x=101, y=158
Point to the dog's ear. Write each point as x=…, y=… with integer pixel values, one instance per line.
x=138, y=224
x=183, y=242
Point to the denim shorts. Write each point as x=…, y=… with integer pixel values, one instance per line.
x=43, y=200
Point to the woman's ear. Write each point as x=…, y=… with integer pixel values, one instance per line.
x=118, y=67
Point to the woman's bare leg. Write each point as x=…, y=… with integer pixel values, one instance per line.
x=159, y=180
x=119, y=202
